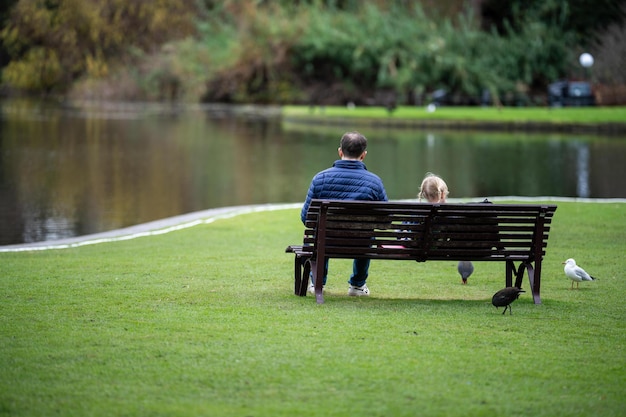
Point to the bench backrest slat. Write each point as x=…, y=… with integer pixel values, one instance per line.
x=420, y=231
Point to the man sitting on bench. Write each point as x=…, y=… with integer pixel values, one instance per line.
x=347, y=179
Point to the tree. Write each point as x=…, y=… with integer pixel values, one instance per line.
x=53, y=42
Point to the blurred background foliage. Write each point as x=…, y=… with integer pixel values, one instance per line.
x=315, y=51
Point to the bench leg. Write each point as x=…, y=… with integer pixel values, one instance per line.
x=301, y=275
x=306, y=272
x=510, y=270
x=297, y=270
x=297, y=274
x=534, y=277
x=317, y=268
x=519, y=275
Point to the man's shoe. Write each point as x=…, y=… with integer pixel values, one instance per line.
x=358, y=291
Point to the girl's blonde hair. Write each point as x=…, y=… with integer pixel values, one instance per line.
x=433, y=189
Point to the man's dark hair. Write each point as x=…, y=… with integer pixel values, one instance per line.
x=353, y=144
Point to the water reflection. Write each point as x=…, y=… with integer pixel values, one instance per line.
x=582, y=168
x=68, y=171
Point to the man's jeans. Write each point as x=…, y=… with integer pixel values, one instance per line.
x=360, y=268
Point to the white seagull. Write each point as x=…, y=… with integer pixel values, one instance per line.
x=576, y=273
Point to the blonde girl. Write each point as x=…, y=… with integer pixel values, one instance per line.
x=433, y=189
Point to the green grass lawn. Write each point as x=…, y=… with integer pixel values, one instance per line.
x=203, y=322
x=577, y=115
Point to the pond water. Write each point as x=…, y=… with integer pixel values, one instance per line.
x=69, y=170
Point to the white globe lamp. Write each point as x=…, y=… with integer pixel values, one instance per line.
x=586, y=60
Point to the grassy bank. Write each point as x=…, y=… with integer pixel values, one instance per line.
x=202, y=321
x=604, y=118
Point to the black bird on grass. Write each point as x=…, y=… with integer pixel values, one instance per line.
x=505, y=297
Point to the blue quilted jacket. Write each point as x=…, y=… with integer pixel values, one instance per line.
x=345, y=180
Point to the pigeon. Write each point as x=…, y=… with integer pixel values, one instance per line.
x=576, y=273
x=465, y=268
x=505, y=297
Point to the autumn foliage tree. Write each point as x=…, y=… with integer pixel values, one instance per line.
x=53, y=42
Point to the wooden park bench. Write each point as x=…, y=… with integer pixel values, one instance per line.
x=509, y=233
